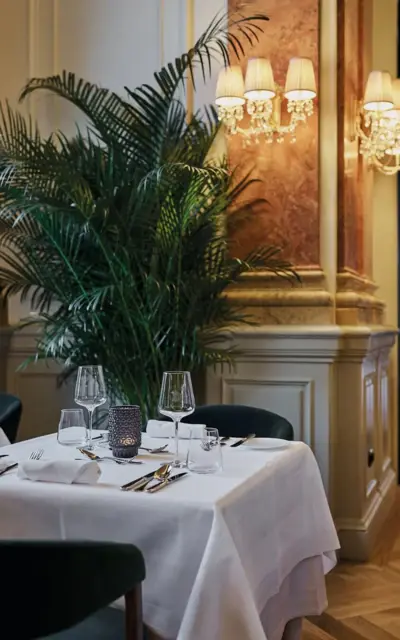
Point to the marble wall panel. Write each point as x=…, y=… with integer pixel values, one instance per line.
x=288, y=173
x=351, y=170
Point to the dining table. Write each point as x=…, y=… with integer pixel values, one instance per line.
x=240, y=554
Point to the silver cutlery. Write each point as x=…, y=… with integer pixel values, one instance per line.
x=11, y=466
x=156, y=450
x=143, y=480
x=93, y=456
x=36, y=455
x=165, y=483
x=243, y=440
x=161, y=474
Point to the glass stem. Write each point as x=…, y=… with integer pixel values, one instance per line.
x=90, y=441
x=176, y=461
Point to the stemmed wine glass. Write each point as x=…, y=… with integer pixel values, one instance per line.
x=176, y=402
x=90, y=392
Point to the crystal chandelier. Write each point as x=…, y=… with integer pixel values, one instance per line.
x=263, y=99
x=378, y=123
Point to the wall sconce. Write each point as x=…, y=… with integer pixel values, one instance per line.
x=378, y=123
x=263, y=99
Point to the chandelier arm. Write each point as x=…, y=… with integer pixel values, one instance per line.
x=386, y=169
x=360, y=133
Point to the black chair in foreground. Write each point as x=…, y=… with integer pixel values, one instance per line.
x=238, y=421
x=10, y=415
x=48, y=587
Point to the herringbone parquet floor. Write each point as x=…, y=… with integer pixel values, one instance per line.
x=364, y=599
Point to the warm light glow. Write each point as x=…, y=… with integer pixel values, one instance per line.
x=377, y=123
x=393, y=151
x=259, y=82
x=300, y=80
x=262, y=99
x=395, y=112
x=230, y=87
x=378, y=92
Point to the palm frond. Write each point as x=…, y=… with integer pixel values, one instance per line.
x=120, y=234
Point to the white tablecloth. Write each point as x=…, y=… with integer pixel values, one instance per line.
x=221, y=551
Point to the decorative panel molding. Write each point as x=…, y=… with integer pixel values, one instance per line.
x=384, y=419
x=370, y=422
x=290, y=398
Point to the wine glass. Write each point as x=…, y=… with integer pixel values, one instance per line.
x=90, y=392
x=176, y=402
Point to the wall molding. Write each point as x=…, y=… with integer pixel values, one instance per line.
x=305, y=394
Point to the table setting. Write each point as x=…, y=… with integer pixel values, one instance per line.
x=232, y=529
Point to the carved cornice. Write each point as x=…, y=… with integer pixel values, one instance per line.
x=304, y=343
x=309, y=279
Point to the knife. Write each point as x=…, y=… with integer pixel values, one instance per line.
x=164, y=483
x=239, y=442
x=130, y=485
x=12, y=466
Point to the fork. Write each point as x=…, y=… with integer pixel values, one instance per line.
x=36, y=455
x=93, y=456
x=156, y=450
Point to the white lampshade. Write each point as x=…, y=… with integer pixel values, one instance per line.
x=300, y=80
x=230, y=87
x=259, y=83
x=393, y=151
x=378, y=92
x=395, y=112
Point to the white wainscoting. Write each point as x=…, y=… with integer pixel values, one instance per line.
x=332, y=383
x=295, y=396
x=287, y=370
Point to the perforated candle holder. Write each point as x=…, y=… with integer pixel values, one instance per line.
x=125, y=430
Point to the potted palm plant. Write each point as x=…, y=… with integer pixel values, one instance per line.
x=118, y=234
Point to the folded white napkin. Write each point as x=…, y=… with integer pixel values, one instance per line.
x=161, y=429
x=65, y=471
x=4, y=441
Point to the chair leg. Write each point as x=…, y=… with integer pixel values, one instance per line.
x=133, y=614
x=293, y=630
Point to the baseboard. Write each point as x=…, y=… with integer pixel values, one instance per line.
x=358, y=544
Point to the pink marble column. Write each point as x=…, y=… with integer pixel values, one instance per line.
x=288, y=172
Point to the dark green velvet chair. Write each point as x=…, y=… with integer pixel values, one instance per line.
x=48, y=587
x=237, y=421
x=10, y=415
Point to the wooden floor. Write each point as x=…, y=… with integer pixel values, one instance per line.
x=364, y=599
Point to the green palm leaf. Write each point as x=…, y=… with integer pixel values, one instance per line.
x=120, y=234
